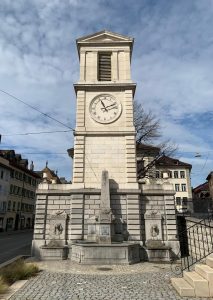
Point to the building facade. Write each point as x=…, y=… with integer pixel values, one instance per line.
x=210, y=182
x=178, y=174
x=155, y=168
x=17, y=192
x=4, y=190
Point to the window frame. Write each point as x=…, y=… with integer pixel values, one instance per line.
x=182, y=174
x=177, y=187
x=183, y=187
x=176, y=173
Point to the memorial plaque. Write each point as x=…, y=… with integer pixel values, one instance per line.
x=105, y=230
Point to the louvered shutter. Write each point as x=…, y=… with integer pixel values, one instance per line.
x=104, y=67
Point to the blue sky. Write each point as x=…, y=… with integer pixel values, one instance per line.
x=172, y=65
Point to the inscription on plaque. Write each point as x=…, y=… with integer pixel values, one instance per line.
x=105, y=230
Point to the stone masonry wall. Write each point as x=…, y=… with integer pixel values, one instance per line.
x=127, y=205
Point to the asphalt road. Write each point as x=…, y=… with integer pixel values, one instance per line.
x=14, y=244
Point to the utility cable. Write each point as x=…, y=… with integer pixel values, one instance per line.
x=41, y=132
x=48, y=116
x=36, y=109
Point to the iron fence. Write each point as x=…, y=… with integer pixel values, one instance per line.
x=196, y=242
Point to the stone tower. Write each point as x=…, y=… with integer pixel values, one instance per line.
x=104, y=143
x=105, y=133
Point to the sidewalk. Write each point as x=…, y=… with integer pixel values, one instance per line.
x=66, y=280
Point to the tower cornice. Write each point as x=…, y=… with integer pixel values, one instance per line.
x=105, y=86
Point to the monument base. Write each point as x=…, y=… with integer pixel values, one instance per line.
x=157, y=251
x=54, y=252
x=104, y=254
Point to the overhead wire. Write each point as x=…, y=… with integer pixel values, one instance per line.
x=48, y=116
x=36, y=109
x=39, y=132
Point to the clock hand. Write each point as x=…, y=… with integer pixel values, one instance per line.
x=111, y=105
x=104, y=107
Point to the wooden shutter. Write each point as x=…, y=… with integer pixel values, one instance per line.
x=104, y=67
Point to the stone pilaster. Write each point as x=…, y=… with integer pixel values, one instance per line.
x=133, y=217
x=40, y=217
x=79, y=160
x=77, y=217
x=131, y=178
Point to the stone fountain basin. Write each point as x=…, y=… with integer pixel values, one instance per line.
x=91, y=253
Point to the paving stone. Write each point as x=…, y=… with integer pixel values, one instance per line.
x=66, y=280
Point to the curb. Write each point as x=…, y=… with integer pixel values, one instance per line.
x=13, y=289
x=16, y=285
x=12, y=260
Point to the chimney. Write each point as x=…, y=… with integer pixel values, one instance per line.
x=31, y=166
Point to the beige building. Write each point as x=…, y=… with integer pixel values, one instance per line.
x=17, y=197
x=177, y=173
x=49, y=176
x=154, y=168
x=4, y=190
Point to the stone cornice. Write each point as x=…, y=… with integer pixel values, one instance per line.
x=104, y=132
x=107, y=86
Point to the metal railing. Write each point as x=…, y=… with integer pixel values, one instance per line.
x=196, y=243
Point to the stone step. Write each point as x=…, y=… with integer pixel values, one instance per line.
x=183, y=288
x=209, y=261
x=200, y=284
x=207, y=273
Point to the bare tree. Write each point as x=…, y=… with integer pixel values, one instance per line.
x=147, y=126
x=148, y=130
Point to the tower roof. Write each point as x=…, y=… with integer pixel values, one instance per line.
x=105, y=37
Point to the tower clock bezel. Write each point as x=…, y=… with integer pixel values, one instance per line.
x=102, y=111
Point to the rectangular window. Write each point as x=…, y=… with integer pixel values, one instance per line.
x=184, y=203
x=14, y=205
x=178, y=201
x=4, y=205
x=170, y=174
x=11, y=189
x=104, y=66
x=30, y=180
x=157, y=174
x=2, y=174
x=175, y=174
x=183, y=186
x=14, y=189
x=177, y=187
x=182, y=174
x=9, y=205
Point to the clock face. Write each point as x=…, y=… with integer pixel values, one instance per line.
x=105, y=109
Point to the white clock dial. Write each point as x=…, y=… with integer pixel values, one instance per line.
x=105, y=109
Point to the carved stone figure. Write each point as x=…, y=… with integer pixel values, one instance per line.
x=58, y=229
x=154, y=231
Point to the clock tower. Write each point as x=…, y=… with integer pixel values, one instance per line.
x=104, y=202
x=105, y=133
